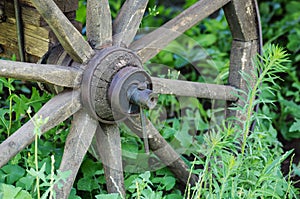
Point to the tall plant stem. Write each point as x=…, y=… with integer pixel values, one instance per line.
x=37, y=166
x=36, y=136
x=10, y=110
x=252, y=98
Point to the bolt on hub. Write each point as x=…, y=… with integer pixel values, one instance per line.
x=131, y=89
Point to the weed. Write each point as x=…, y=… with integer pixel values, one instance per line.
x=225, y=168
x=250, y=170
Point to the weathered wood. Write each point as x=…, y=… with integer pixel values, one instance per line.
x=98, y=23
x=64, y=5
x=30, y=15
x=243, y=19
x=151, y=44
x=67, y=34
x=108, y=145
x=128, y=21
x=36, y=39
x=163, y=150
x=20, y=30
x=55, y=111
x=9, y=53
x=241, y=61
x=193, y=89
x=37, y=34
x=103, y=67
x=244, y=22
x=78, y=141
x=46, y=73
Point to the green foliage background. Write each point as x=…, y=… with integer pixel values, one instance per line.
x=254, y=175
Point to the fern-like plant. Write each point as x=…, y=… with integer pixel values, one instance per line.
x=272, y=62
x=228, y=169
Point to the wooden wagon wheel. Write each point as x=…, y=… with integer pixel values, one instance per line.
x=111, y=62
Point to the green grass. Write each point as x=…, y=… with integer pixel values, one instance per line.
x=196, y=128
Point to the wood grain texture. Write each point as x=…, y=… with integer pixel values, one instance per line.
x=37, y=34
x=163, y=150
x=108, y=145
x=98, y=23
x=30, y=15
x=193, y=89
x=103, y=66
x=37, y=39
x=151, y=44
x=46, y=73
x=55, y=111
x=64, y=5
x=78, y=141
x=67, y=34
x=242, y=19
x=128, y=21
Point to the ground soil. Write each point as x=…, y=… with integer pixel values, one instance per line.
x=289, y=145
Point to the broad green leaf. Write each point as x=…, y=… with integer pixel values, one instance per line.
x=26, y=182
x=87, y=184
x=169, y=182
x=14, y=173
x=7, y=82
x=73, y=194
x=36, y=100
x=20, y=107
x=150, y=194
x=295, y=126
x=185, y=139
x=2, y=176
x=128, y=181
x=89, y=167
x=145, y=176
x=130, y=147
x=11, y=192
x=292, y=106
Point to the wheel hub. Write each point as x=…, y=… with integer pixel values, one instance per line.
x=115, y=86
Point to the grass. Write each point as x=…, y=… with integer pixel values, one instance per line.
x=226, y=168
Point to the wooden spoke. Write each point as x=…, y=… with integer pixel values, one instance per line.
x=128, y=21
x=67, y=34
x=78, y=141
x=193, y=89
x=108, y=145
x=53, y=112
x=243, y=19
x=149, y=45
x=53, y=74
x=98, y=23
x=163, y=150
x=244, y=22
x=240, y=60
